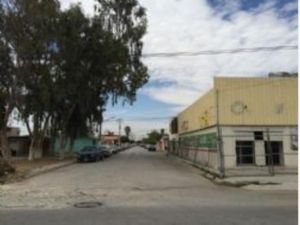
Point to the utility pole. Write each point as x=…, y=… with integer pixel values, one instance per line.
x=120, y=128
x=219, y=137
x=101, y=125
x=270, y=154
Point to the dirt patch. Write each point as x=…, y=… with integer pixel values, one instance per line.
x=21, y=167
x=6, y=169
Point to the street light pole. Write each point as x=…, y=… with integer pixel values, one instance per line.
x=120, y=128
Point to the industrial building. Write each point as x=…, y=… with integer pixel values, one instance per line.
x=241, y=126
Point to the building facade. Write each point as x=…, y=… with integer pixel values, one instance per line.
x=242, y=125
x=110, y=139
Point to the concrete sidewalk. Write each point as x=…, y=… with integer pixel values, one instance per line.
x=278, y=182
x=25, y=172
x=48, y=168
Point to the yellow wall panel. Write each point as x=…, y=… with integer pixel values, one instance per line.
x=244, y=101
x=199, y=115
x=258, y=101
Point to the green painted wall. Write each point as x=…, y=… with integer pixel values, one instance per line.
x=208, y=140
x=78, y=144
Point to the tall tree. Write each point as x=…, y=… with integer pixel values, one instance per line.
x=126, y=21
x=29, y=29
x=153, y=137
x=68, y=65
x=127, y=130
x=7, y=95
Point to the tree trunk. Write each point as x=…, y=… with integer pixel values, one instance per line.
x=72, y=141
x=37, y=140
x=62, y=146
x=36, y=147
x=33, y=148
x=5, y=150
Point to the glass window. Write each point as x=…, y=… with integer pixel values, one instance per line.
x=245, y=152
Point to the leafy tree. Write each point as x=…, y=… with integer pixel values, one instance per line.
x=30, y=30
x=153, y=137
x=71, y=91
x=67, y=65
x=283, y=74
x=109, y=67
x=126, y=21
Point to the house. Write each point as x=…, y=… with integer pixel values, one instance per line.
x=20, y=144
x=78, y=144
x=12, y=131
x=110, y=139
x=241, y=126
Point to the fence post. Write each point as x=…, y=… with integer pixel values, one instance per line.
x=219, y=138
x=270, y=154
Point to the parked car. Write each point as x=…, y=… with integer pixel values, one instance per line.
x=151, y=148
x=115, y=149
x=106, y=149
x=90, y=153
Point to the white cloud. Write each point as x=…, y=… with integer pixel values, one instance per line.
x=87, y=5
x=291, y=6
x=166, y=94
x=192, y=25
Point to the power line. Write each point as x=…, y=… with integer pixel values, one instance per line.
x=222, y=51
x=141, y=118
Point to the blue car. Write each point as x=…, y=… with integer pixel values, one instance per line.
x=90, y=154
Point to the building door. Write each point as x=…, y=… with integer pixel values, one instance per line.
x=245, y=153
x=275, y=155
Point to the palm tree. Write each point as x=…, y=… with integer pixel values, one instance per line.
x=127, y=131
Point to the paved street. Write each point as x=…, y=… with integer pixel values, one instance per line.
x=139, y=187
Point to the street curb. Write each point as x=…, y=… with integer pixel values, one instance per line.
x=45, y=169
x=216, y=179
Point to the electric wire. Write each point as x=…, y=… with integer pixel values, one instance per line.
x=222, y=51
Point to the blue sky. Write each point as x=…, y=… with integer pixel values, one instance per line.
x=195, y=25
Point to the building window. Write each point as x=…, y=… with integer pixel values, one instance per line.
x=273, y=152
x=244, y=153
x=258, y=135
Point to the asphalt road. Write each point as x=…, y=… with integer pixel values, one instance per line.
x=139, y=187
